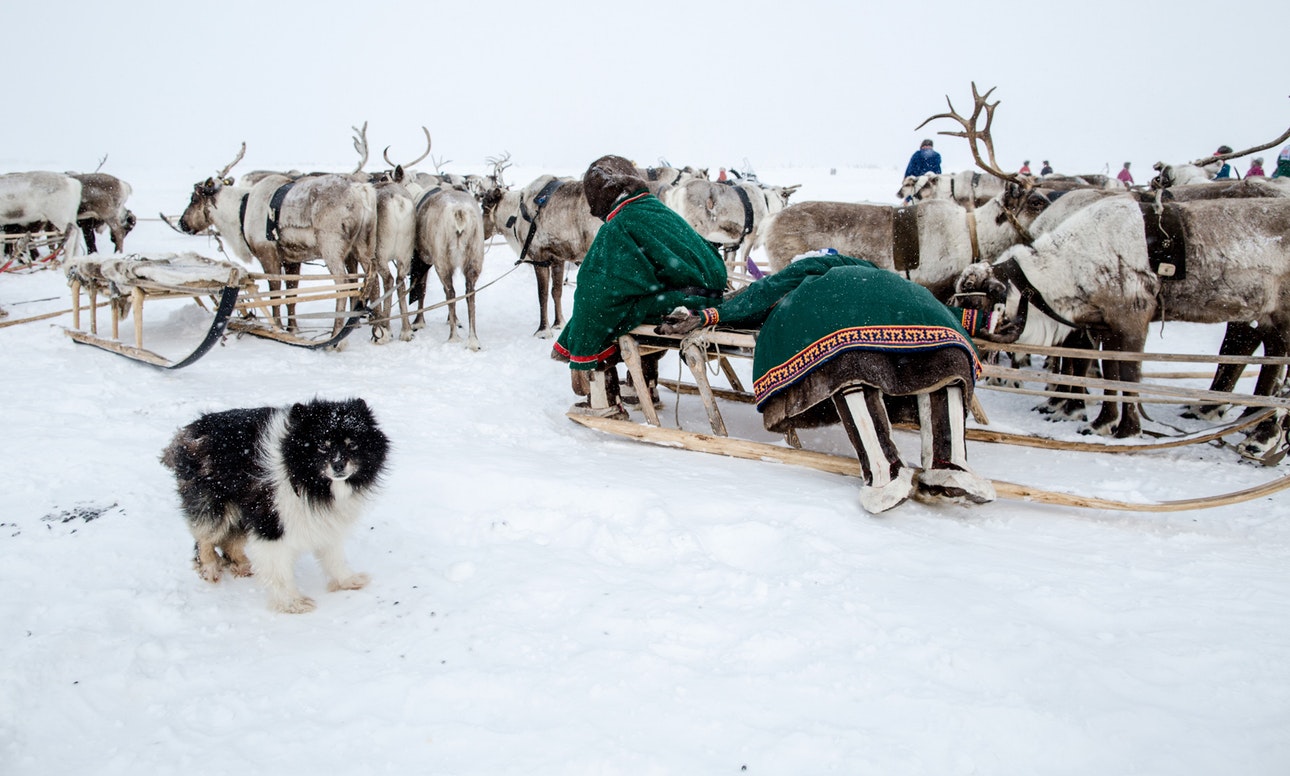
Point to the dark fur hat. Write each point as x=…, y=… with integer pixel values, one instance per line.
x=608, y=180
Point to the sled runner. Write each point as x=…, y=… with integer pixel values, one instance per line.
x=129, y=281
x=850, y=466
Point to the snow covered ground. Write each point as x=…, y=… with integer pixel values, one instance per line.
x=546, y=600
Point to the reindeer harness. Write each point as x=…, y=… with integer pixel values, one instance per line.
x=540, y=200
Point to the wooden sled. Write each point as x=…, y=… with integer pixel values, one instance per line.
x=835, y=464
x=254, y=304
x=698, y=349
x=17, y=248
x=130, y=281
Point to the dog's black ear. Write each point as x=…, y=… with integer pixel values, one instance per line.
x=296, y=414
x=357, y=407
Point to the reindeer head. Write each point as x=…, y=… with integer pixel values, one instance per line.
x=1025, y=204
x=977, y=288
x=921, y=187
x=197, y=216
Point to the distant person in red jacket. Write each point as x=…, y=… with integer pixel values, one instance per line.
x=1256, y=169
x=1125, y=176
x=1025, y=168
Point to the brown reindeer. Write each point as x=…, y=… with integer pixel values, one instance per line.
x=103, y=199
x=281, y=223
x=548, y=224
x=450, y=238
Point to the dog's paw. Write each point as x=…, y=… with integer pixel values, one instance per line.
x=209, y=572
x=298, y=605
x=352, y=582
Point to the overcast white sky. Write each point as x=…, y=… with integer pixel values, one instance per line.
x=1086, y=84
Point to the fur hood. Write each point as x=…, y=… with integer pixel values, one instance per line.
x=609, y=180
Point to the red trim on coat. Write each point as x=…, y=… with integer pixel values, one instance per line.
x=584, y=360
x=624, y=204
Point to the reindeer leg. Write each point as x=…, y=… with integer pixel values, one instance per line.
x=291, y=285
x=419, y=275
x=1265, y=442
x=1130, y=424
x=557, y=292
x=449, y=293
x=87, y=229
x=1239, y=339
x=472, y=277
x=1274, y=343
x=401, y=291
x=382, y=288
x=543, y=274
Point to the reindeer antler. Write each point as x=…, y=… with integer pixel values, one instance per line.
x=975, y=135
x=233, y=163
x=1246, y=152
x=499, y=164
x=386, y=152
x=360, y=145
x=101, y=161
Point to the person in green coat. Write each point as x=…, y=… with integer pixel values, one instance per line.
x=644, y=262
x=838, y=336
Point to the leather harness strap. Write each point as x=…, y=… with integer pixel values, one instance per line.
x=1010, y=272
x=904, y=239
x=540, y=200
x=271, y=231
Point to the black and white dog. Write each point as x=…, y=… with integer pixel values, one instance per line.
x=262, y=486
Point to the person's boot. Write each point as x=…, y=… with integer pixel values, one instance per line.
x=888, y=482
x=946, y=476
x=602, y=399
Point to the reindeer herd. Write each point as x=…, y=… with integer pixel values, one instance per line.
x=1071, y=259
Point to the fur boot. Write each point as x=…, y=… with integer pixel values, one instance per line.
x=946, y=476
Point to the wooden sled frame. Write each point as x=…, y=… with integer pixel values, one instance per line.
x=230, y=298
x=835, y=464
x=698, y=348
x=255, y=307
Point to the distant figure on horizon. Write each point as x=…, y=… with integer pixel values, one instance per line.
x=721, y=176
x=1125, y=176
x=1283, y=164
x=925, y=159
x=1256, y=169
x=1224, y=172
x=1025, y=168
x=1047, y=169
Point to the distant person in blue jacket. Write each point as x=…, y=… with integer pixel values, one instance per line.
x=925, y=159
x=1224, y=172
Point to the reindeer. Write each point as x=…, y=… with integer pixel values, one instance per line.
x=548, y=223
x=450, y=238
x=395, y=233
x=102, y=205
x=282, y=223
x=729, y=214
x=28, y=198
x=1097, y=269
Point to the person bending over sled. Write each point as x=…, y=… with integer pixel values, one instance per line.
x=838, y=336
x=645, y=261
